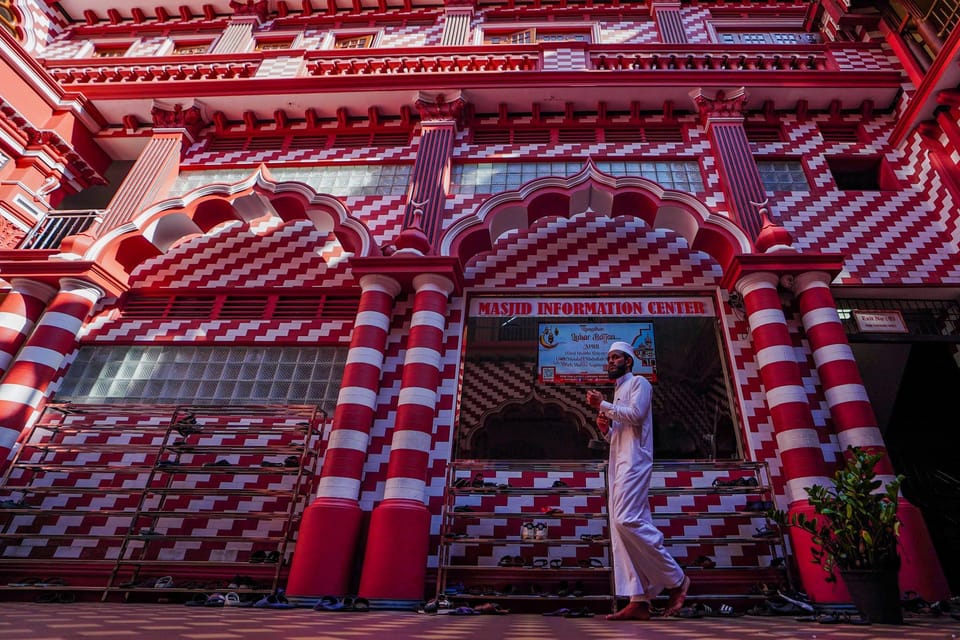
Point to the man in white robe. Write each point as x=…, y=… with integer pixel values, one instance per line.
x=641, y=565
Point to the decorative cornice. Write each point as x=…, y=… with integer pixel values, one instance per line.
x=177, y=117
x=722, y=105
x=438, y=107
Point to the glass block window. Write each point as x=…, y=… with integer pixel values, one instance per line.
x=683, y=175
x=783, y=175
x=205, y=375
x=356, y=180
x=763, y=37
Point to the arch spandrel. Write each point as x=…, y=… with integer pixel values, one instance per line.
x=595, y=192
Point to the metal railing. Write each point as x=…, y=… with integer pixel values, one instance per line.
x=52, y=228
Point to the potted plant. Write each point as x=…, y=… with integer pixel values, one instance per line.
x=855, y=532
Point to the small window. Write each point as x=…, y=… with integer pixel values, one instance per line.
x=274, y=45
x=840, y=132
x=190, y=48
x=764, y=37
x=353, y=42
x=861, y=174
x=763, y=133
x=783, y=175
x=110, y=51
x=538, y=34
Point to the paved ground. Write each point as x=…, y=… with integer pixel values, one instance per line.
x=118, y=621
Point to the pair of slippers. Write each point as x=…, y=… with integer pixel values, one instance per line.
x=346, y=603
x=571, y=613
x=835, y=617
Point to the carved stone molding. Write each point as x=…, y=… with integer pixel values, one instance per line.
x=722, y=105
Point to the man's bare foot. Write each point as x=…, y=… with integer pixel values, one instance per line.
x=677, y=596
x=633, y=611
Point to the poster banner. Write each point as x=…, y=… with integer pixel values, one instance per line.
x=658, y=307
x=577, y=353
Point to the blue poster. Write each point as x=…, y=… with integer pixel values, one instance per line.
x=577, y=353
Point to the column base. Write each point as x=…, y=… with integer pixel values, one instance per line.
x=920, y=569
x=326, y=545
x=395, y=564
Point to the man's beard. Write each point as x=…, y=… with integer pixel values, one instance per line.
x=613, y=374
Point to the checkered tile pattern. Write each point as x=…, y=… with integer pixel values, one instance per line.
x=694, y=20
x=888, y=237
x=414, y=35
x=564, y=60
x=282, y=67
x=63, y=48
x=865, y=59
x=587, y=250
x=628, y=32
x=96, y=465
x=146, y=46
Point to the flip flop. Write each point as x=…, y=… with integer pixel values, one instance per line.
x=328, y=603
x=558, y=612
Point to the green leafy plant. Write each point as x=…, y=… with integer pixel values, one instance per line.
x=857, y=525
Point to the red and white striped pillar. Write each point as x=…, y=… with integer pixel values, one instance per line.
x=19, y=311
x=798, y=443
x=398, y=543
x=856, y=425
x=330, y=527
x=52, y=340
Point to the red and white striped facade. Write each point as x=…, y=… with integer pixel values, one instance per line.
x=194, y=214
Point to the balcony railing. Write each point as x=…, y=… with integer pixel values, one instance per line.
x=52, y=228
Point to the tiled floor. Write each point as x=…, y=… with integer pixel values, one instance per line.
x=118, y=621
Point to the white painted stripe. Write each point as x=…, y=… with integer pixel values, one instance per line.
x=5, y=360
x=373, y=319
x=337, y=487
x=860, y=437
x=365, y=355
x=791, y=439
x=820, y=316
x=8, y=437
x=417, y=395
x=785, y=394
x=42, y=356
x=795, y=489
x=357, y=395
x=832, y=353
x=404, y=488
x=65, y=321
x=430, y=318
x=15, y=322
x=21, y=394
x=776, y=353
x=411, y=439
x=766, y=316
x=845, y=393
x=423, y=355
x=348, y=439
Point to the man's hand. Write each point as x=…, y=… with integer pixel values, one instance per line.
x=603, y=423
x=594, y=398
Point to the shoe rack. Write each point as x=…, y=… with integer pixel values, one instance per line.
x=157, y=499
x=525, y=531
x=539, y=531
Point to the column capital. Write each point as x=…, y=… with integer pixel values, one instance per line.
x=809, y=280
x=724, y=105
x=433, y=281
x=405, y=268
x=81, y=288
x=380, y=282
x=190, y=118
x=439, y=108
x=780, y=264
x=39, y=290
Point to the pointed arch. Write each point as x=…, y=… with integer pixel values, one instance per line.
x=591, y=190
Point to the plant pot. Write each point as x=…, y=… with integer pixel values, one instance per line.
x=875, y=594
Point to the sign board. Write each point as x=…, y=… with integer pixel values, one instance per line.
x=656, y=307
x=573, y=353
x=880, y=321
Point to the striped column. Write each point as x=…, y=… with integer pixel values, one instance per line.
x=19, y=310
x=238, y=36
x=669, y=24
x=52, y=340
x=856, y=425
x=397, y=546
x=330, y=527
x=798, y=443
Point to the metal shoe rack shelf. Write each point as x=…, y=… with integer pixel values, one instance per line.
x=157, y=500
x=485, y=554
x=711, y=512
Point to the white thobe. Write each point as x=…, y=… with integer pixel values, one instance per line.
x=641, y=565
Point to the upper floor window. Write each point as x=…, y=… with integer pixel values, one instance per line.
x=533, y=35
x=763, y=37
x=274, y=44
x=190, y=48
x=345, y=41
x=110, y=50
x=783, y=175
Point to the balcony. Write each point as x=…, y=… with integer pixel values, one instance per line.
x=52, y=228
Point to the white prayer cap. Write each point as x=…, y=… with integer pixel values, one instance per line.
x=620, y=345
